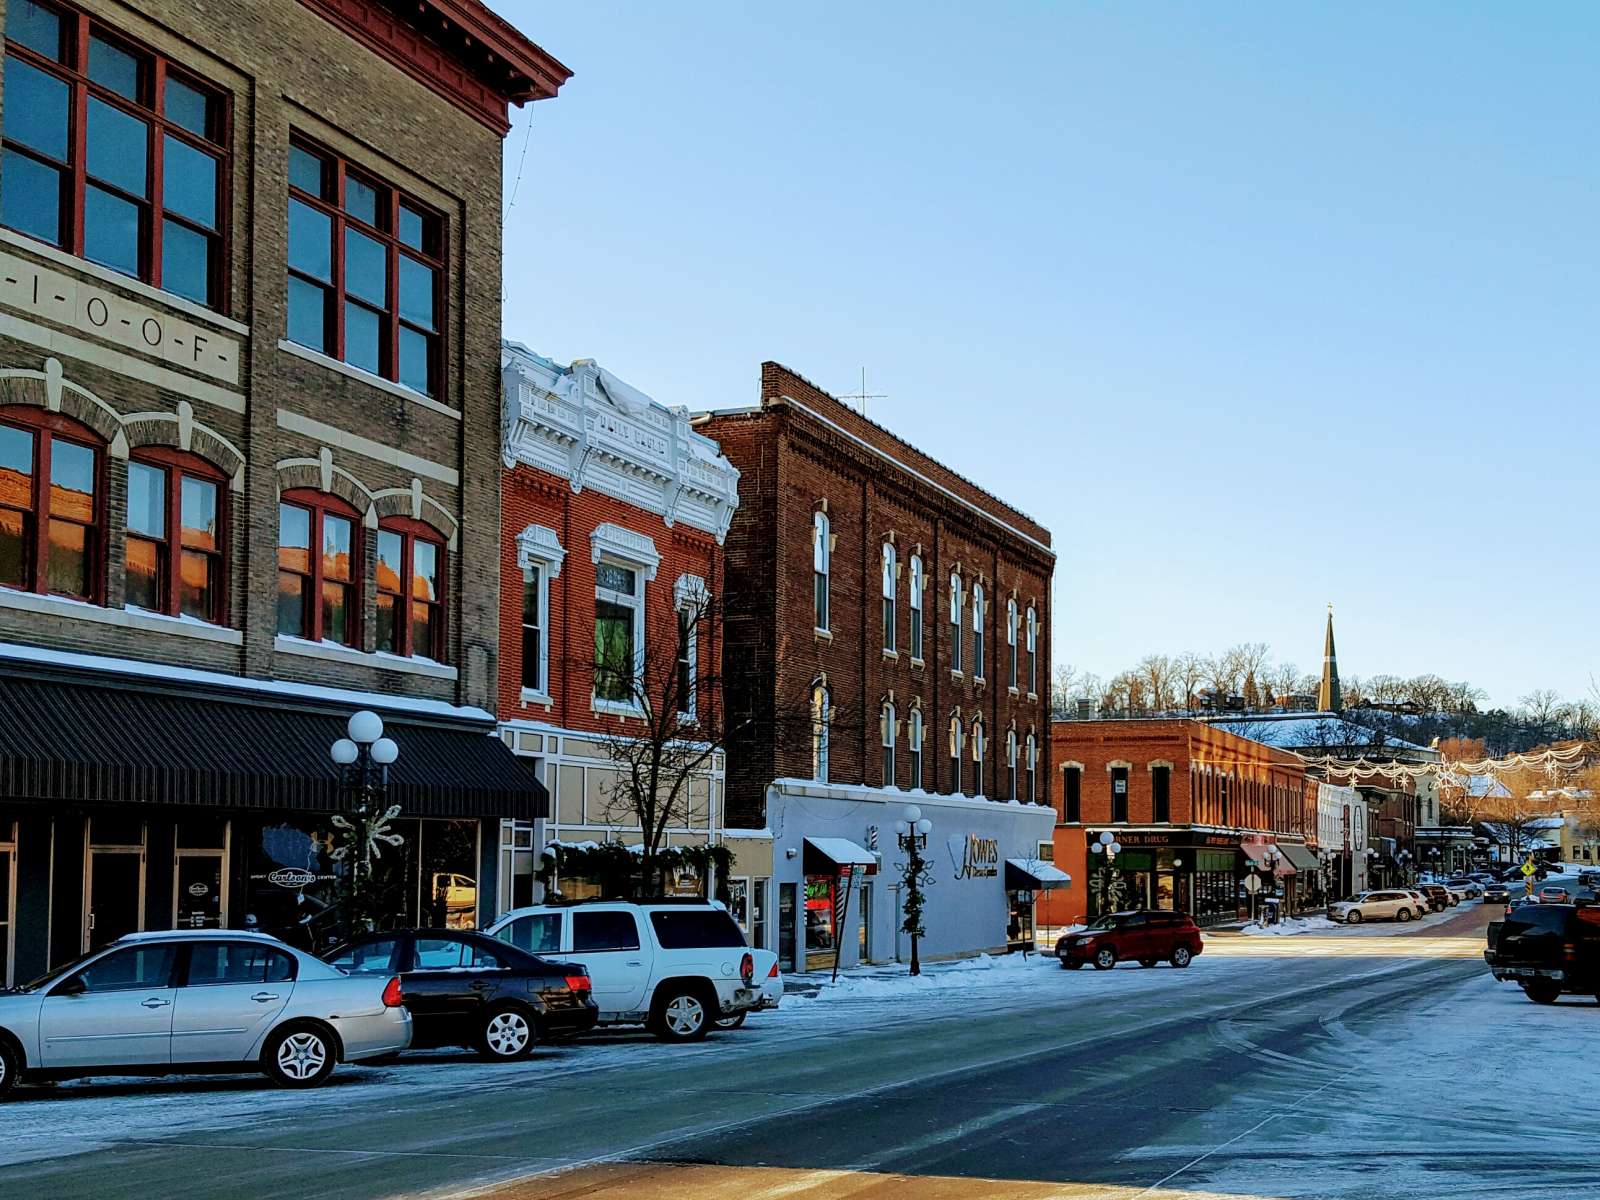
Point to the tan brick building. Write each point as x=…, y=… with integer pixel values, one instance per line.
x=900, y=614
x=249, y=442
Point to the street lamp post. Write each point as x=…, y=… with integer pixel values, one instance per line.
x=912, y=831
x=363, y=759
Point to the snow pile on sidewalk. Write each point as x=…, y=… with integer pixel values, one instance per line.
x=965, y=974
x=1290, y=926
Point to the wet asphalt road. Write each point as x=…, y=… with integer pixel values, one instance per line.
x=1377, y=1073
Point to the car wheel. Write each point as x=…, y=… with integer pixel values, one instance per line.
x=1105, y=958
x=1403, y=915
x=1148, y=962
x=1181, y=956
x=1353, y=917
x=682, y=1015
x=733, y=1022
x=10, y=1068
x=507, y=1034
x=299, y=1056
x=1542, y=991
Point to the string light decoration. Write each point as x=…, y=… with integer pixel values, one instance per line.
x=1548, y=761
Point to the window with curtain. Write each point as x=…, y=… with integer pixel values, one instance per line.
x=916, y=606
x=1011, y=764
x=1011, y=642
x=1033, y=652
x=821, y=564
x=890, y=573
x=956, y=740
x=977, y=630
x=1031, y=753
x=979, y=748
x=888, y=733
x=955, y=622
x=914, y=749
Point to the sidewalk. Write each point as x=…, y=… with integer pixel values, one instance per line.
x=810, y=983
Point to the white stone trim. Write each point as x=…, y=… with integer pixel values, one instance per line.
x=125, y=618
x=345, y=654
x=541, y=544
x=625, y=545
x=329, y=435
x=367, y=377
x=689, y=588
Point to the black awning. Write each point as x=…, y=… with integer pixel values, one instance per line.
x=111, y=742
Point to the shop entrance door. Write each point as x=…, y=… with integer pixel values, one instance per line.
x=788, y=933
x=115, y=903
x=864, y=894
x=8, y=908
x=198, y=886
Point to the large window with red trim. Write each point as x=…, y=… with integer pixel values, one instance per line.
x=113, y=153
x=410, y=616
x=52, y=505
x=366, y=270
x=319, y=568
x=175, y=554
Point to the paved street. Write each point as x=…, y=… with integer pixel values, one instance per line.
x=1383, y=1065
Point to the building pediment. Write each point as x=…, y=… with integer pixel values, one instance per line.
x=584, y=424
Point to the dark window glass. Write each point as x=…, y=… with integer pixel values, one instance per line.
x=31, y=199
x=34, y=26
x=604, y=931
x=72, y=513
x=1072, y=805
x=110, y=230
x=16, y=502
x=185, y=262
x=307, y=171
x=391, y=568
x=310, y=241
x=147, y=529
x=188, y=107
x=294, y=568
x=366, y=958
x=532, y=625
x=1119, y=794
x=238, y=962
x=118, y=148
x=35, y=109
x=125, y=970
x=114, y=68
x=361, y=200
x=365, y=268
x=361, y=337
x=308, y=314
x=441, y=954
x=190, y=182
x=694, y=929
x=537, y=934
x=1161, y=794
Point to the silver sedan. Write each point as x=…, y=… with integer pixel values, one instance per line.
x=198, y=1000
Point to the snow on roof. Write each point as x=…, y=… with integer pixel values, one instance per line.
x=1315, y=731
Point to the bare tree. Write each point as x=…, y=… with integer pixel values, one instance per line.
x=1155, y=671
x=1188, y=673
x=1283, y=679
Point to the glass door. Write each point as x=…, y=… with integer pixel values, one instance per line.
x=788, y=935
x=113, y=884
x=8, y=902
x=200, y=874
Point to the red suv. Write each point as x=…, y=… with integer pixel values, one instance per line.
x=1147, y=937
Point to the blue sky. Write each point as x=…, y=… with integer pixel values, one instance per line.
x=1255, y=306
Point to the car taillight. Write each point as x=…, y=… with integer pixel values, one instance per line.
x=579, y=983
x=393, y=997
x=773, y=974
x=747, y=968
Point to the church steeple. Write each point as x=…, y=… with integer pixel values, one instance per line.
x=1328, y=698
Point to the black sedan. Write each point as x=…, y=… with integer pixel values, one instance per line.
x=465, y=989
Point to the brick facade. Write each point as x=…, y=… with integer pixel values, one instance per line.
x=802, y=452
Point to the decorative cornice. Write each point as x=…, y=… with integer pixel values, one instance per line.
x=585, y=425
x=540, y=544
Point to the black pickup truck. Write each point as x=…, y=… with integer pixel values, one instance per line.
x=1548, y=949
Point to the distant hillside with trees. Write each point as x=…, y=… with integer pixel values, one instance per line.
x=1245, y=679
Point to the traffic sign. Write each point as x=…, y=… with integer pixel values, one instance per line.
x=1252, y=883
x=1528, y=868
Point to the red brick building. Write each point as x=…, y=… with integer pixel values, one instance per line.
x=1194, y=808
x=613, y=512
x=904, y=612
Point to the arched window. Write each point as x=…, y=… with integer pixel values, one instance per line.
x=821, y=561
x=410, y=616
x=177, y=533
x=1011, y=642
x=891, y=571
x=956, y=741
x=916, y=606
x=888, y=733
x=914, y=749
x=1033, y=652
x=1011, y=764
x=978, y=749
x=955, y=621
x=977, y=630
x=320, y=559
x=819, y=731
x=1032, y=760
x=52, y=505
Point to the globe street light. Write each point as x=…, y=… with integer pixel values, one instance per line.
x=912, y=831
x=363, y=759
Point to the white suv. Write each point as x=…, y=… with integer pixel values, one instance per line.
x=1398, y=905
x=677, y=967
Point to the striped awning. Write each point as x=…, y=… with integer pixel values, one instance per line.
x=128, y=741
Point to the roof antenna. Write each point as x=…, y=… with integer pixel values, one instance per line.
x=863, y=395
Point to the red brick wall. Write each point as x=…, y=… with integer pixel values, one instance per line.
x=530, y=497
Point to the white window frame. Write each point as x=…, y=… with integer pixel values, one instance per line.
x=978, y=748
x=918, y=584
x=1033, y=651
x=955, y=623
x=1011, y=764
x=1011, y=639
x=888, y=732
x=821, y=715
x=891, y=572
x=613, y=545
x=690, y=596
x=539, y=548
x=978, y=665
x=821, y=572
x=914, y=748
x=958, y=742
x=1032, y=751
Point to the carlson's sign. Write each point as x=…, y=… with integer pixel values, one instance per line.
x=292, y=877
x=974, y=857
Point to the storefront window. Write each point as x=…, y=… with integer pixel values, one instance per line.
x=448, y=884
x=821, y=934
x=517, y=864
x=289, y=878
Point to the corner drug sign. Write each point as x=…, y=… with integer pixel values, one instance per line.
x=974, y=857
